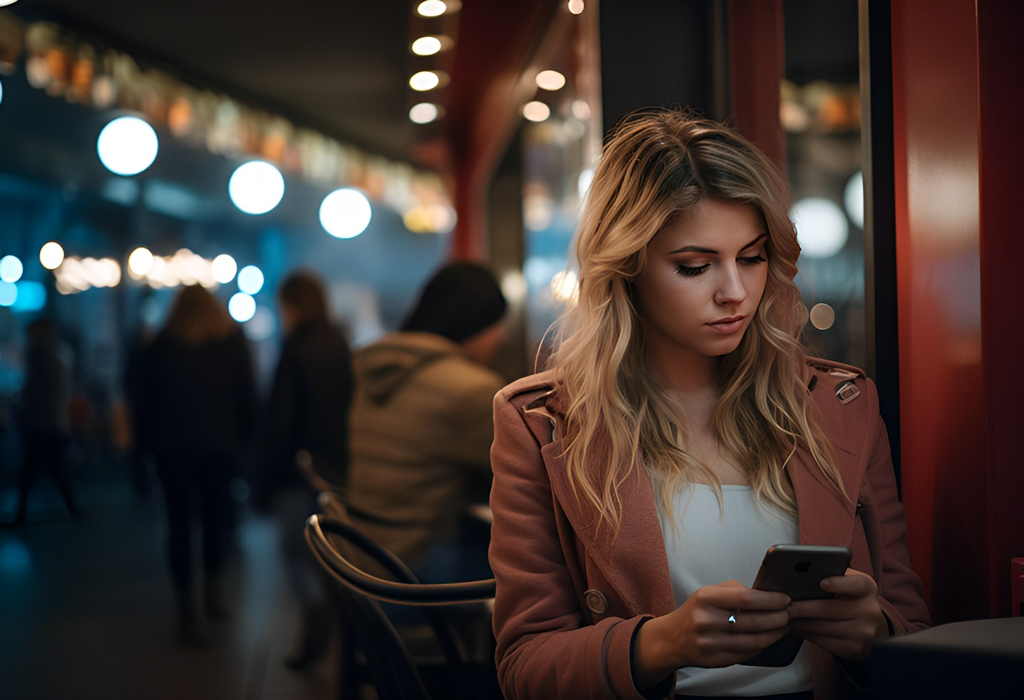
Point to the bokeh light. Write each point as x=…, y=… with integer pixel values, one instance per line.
x=127, y=146
x=423, y=113
x=431, y=8
x=224, y=268
x=256, y=187
x=576, y=6
x=140, y=262
x=536, y=111
x=8, y=293
x=550, y=80
x=31, y=296
x=821, y=227
x=242, y=307
x=565, y=285
x=426, y=46
x=262, y=324
x=822, y=316
x=345, y=213
x=51, y=255
x=11, y=269
x=853, y=199
x=424, y=80
x=250, y=279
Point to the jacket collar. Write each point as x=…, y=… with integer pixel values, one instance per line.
x=635, y=563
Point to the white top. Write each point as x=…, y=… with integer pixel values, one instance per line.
x=707, y=546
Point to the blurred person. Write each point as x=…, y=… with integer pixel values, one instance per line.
x=44, y=419
x=196, y=412
x=308, y=410
x=421, y=424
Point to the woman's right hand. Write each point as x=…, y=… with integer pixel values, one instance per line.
x=698, y=633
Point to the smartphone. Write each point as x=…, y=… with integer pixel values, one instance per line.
x=796, y=570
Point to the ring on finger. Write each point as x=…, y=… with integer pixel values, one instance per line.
x=732, y=619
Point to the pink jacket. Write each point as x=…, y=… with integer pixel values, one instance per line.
x=569, y=599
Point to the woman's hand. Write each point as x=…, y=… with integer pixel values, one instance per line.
x=699, y=633
x=846, y=625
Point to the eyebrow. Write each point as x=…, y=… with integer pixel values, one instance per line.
x=698, y=249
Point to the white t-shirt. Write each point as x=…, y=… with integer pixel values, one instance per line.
x=707, y=546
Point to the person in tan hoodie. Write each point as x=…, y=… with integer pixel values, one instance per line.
x=421, y=425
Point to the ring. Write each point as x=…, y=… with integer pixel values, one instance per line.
x=732, y=619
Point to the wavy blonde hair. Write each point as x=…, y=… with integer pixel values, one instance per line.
x=655, y=167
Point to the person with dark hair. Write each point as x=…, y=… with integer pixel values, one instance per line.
x=421, y=424
x=43, y=416
x=308, y=410
x=196, y=416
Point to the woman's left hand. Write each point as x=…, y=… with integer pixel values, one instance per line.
x=846, y=625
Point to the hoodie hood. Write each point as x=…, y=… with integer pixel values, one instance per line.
x=382, y=369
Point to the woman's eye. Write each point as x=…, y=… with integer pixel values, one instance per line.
x=688, y=271
x=755, y=260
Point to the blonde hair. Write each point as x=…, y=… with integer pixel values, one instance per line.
x=656, y=166
x=196, y=316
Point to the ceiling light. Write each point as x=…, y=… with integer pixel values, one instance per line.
x=127, y=146
x=550, y=80
x=431, y=8
x=426, y=46
x=51, y=255
x=423, y=113
x=256, y=187
x=424, y=80
x=345, y=213
x=536, y=111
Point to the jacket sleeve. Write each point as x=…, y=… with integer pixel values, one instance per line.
x=899, y=588
x=544, y=649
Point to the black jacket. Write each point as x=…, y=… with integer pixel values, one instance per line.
x=197, y=399
x=309, y=406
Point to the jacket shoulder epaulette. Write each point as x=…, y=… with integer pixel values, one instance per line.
x=841, y=379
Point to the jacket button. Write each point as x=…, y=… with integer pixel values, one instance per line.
x=595, y=600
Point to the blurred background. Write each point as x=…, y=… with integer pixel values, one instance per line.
x=149, y=145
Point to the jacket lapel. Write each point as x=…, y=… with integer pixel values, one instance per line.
x=634, y=562
x=825, y=516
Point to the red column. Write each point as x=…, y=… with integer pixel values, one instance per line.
x=756, y=69
x=952, y=211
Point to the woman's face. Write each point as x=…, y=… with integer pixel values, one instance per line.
x=703, y=281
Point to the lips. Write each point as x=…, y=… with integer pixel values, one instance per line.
x=727, y=325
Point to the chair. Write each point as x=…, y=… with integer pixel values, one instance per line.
x=393, y=670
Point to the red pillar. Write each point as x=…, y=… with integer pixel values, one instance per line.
x=756, y=68
x=953, y=135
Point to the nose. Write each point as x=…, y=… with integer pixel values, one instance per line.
x=730, y=287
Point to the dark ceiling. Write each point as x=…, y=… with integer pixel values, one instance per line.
x=340, y=67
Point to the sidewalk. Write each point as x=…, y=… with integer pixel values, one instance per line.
x=87, y=608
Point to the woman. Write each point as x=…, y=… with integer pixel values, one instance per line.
x=680, y=432
x=197, y=408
